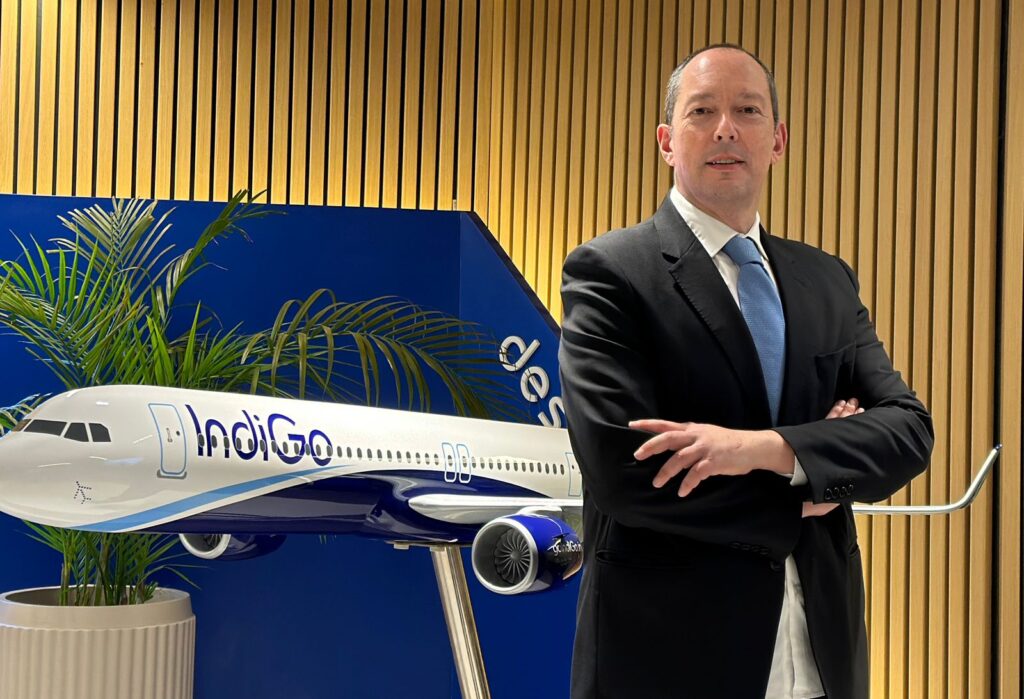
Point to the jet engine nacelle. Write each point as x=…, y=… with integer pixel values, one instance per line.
x=231, y=547
x=526, y=552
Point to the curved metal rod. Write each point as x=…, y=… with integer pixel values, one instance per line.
x=972, y=492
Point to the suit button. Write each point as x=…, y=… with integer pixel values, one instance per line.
x=828, y=493
x=775, y=566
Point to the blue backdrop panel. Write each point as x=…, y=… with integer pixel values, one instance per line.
x=343, y=617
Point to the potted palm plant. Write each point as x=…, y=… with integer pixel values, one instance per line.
x=96, y=306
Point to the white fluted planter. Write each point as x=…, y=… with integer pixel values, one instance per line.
x=140, y=651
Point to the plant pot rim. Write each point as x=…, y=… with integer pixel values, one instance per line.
x=37, y=608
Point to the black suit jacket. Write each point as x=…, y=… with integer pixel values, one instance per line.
x=681, y=597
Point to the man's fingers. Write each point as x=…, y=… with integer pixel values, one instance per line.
x=836, y=411
x=844, y=408
x=658, y=426
x=698, y=472
x=662, y=442
x=670, y=469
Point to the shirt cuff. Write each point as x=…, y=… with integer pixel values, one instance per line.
x=799, y=477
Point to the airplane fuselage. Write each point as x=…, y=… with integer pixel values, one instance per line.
x=129, y=458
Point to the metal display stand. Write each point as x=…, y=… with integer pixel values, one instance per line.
x=458, y=616
x=967, y=499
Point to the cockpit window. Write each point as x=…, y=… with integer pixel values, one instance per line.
x=20, y=426
x=99, y=432
x=46, y=427
x=76, y=431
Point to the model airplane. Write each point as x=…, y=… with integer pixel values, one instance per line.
x=232, y=474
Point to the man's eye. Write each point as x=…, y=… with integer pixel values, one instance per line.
x=700, y=111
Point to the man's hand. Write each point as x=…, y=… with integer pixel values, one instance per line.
x=708, y=450
x=844, y=408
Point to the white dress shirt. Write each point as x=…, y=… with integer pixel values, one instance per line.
x=794, y=673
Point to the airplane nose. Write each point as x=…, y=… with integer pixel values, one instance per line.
x=31, y=482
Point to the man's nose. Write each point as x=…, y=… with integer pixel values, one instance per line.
x=725, y=130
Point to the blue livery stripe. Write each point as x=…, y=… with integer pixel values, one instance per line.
x=147, y=517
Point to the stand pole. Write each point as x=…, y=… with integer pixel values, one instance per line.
x=458, y=616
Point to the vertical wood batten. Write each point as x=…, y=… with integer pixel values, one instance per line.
x=448, y=118
x=145, y=106
x=620, y=164
x=901, y=254
x=374, y=96
x=392, y=111
x=466, y=96
x=26, y=146
x=242, y=97
x=184, y=112
x=563, y=167
x=126, y=63
x=318, y=114
x=9, y=36
x=602, y=212
x=87, y=114
x=411, y=121
x=204, y=116
x=982, y=351
x=298, y=136
x=429, y=107
x=336, y=134
x=106, y=105
x=922, y=376
x=46, y=98
x=487, y=78
x=962, y=321
x=227, y=45
x=166, y=59
x=542, y=233
x=280, y=102
x=938, y=677
x=504, y=142
x=515, y=203
x=66, y=98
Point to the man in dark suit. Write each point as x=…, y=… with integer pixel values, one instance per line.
x=721, y=553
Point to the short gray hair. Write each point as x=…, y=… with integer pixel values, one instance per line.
x=672, y=89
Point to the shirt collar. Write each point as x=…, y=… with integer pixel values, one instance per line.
x=712, y=233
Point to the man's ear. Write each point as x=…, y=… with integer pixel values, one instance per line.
x=781, y=139
x=665, y=143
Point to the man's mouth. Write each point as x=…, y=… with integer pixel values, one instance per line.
x=725, y=162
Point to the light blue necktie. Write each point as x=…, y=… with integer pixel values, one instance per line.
x=761, y=308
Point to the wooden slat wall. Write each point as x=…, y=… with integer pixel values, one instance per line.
x=1007, y=649
x=539, y=115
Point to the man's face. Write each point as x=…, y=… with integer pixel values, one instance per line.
x=723, y=137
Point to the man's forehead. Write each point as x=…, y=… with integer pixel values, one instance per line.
x=724, y=69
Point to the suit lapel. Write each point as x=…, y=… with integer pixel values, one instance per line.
x=705, y=290
x=798, y=298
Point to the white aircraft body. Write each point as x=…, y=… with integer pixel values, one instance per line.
x=233, y=473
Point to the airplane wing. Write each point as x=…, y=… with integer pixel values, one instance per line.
x=479, y=509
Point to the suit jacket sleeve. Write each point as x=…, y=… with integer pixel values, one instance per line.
x=870, y=456
x=607, y=380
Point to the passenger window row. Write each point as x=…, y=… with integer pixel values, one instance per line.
x=303, y=449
